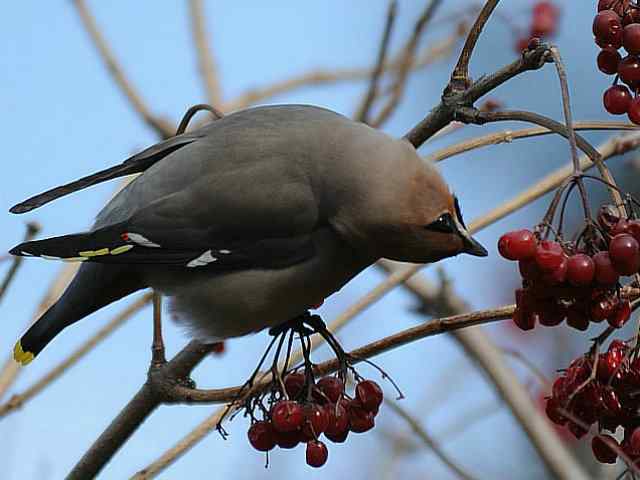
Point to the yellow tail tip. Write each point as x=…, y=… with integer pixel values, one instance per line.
x=20, y=356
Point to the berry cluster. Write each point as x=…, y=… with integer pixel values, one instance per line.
x=617, y=25
x=304, y=414
x=576, y=281
x=544, y=23
x=601, y=389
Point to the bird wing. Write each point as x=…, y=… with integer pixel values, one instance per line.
x=125, y=243
x=135, y=164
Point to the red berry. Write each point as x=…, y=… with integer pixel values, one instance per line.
x=633, y=229
x=551, y=313
x=517, y=245
x=631, y=38
x=529, y=269
x=524, y=319
x=625, y=254
x=629, y=70
x=611, y=402
x=608, y=365
x=287, y=416
x=360, y=419
x=369, y=394
x=331, y=387
x=580, y=269
x=632, y=15
x=553, y=411
x=294, y=384
x=287, y=440
x=522, y=44
x=604, y=448
x=316, y=420
x=544, y=7
x=543, y=25
x=607, y=27
x=608, y=60
x=616, y=99
x=621, y=226
x=317, y=453
x=603, y=307
x=634, y=111
x=549, y=255
x=634, y=441
x=577, y=318
x=621, y=314
x=558, y=275
x=261, y=436
x=338, y=424
x=605, y=274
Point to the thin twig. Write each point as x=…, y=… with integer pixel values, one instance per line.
x=434, y=327
x=429, y=442
x=206, y=62
x=507, y=136
x=32, y=230
x=158, y=357
x=162, y=127
x=329, y=76
x=362, y=114
x=17, y=401
x=406, y=60
x=460, y=76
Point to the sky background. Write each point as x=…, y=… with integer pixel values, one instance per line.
x=64, y=118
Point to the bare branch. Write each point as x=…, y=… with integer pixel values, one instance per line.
x=434, y=327
x=429, y=442
x=406, y=59
x=32, y=230
x=148, y=398
x=205, y=57
x=158, y=357
x=453, y=100
x=362, y=114
x=507, y=136
x=460, y=76
x=17, y=401
x=328, y=76
x=162, y=127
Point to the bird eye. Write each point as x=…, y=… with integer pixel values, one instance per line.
x=444, y=224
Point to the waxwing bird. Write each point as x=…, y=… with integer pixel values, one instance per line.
x=249, y=221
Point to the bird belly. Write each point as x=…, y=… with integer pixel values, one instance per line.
x=218, y=306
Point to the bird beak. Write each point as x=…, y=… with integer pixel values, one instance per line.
x=471, y=245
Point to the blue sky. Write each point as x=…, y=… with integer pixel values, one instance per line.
x=64, y=118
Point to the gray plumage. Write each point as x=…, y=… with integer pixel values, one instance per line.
x=253, y=219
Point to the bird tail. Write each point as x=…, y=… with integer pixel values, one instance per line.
x=93, y=287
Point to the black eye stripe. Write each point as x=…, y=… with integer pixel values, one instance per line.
x=459, y=211
x=444, y=224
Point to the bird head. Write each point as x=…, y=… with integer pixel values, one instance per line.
x=405, y=210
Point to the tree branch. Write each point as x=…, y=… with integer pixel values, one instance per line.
x=453, y=100
x=206, y=63
x=153, y=393
x=362, y=114
x=18, y=400
x=406, y=60
x=429, y=442
x=162, y=127
x=32, y=230
x=327, y=76
x=460, y=75
x=507, y=136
